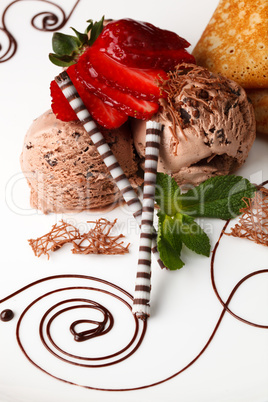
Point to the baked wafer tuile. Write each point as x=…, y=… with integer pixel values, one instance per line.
x=141, y=306
x=129, y=195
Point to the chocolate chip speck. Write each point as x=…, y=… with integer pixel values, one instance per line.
x=196, y=113
x=185, y=116
x=76, y=135
x=202, y=93
x=89, y=174
x=49, y=159
x=220, y=135
x=236, y=92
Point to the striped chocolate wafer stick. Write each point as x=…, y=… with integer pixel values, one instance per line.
x=141, y=306
x=133, y=202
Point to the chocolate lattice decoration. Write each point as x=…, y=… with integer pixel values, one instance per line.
x=97, y=240
x=253, y=223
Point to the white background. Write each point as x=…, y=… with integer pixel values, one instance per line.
x=185, y=309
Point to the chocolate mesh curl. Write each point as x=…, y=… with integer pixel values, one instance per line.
x=253, y=223
x=97, y=240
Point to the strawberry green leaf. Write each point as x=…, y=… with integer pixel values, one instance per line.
x=89, y=27
x=82, y=37
x=61, y=61
x=64, y=44
x=68, y=48
x=96, y=30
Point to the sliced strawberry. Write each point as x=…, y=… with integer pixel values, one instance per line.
x=124, y=40
x=117, y=75
x=59, y=105
x=141, y=83
x=138, y=108
x=103, y=114
x=106, y=115
x=164, y=59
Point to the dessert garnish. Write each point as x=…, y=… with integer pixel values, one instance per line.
x=59, y=235
x=6, y=315
x=253, y=223
x=141, y=299
x=116, y=71
x=129, y=195
x=218, y=197
x=97, y=240
x=65, y=296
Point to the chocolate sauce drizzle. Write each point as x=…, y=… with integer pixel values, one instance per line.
x=6, y=315
x=104, y=325
x=46, y=21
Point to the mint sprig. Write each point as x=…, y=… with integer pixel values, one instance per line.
x=218, y=197
x=68, y=48
x=169, y=243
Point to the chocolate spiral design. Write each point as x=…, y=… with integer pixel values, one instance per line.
x=46, y=21
x=99, y=317
x=95, y=315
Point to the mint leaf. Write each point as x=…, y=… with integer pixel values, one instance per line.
x=193, y=236
x=167, y=192
x=218, y=197
x=169, y=243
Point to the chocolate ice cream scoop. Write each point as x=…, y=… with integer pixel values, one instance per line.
x=65, y=171
x=209, y=125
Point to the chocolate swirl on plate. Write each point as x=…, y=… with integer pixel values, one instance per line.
x=100, y=323
x=46, y=21
x=64, y=305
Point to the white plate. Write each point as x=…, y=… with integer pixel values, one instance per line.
x=185, y=307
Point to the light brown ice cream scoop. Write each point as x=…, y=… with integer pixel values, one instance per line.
x=64, y=169
x=209, y=126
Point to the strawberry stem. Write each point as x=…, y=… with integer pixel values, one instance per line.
x=67, y=48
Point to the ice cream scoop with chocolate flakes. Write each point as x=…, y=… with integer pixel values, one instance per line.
x=64, y=169
x=209, y=125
